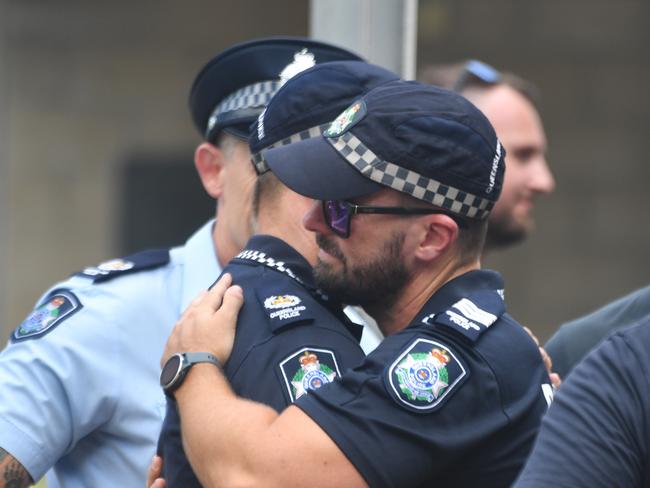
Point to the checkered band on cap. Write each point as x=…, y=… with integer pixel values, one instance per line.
x=251, y=96
x=404, y=180
x=260, y=164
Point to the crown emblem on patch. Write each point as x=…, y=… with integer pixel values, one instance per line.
x=311, y=375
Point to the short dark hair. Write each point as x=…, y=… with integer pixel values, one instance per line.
x=267, y=188
x=448, y=75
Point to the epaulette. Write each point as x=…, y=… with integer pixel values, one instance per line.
x=471, y=316
x=134, y=263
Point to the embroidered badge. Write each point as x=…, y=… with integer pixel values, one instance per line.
x=471, y=316
x=424, y=375
x=285, y=306
x=46, y=316
x=349, y=118
x=108, y=267
x=308, y=369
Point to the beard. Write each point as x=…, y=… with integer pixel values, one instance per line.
x=503, y=232
x=374, y=283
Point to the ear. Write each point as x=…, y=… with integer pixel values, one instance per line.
x=437, y=234
x=209, y=162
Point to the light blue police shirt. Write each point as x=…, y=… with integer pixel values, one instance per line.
x=83, y=397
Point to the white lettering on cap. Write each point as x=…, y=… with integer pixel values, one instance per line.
x=260, y=126
x=495, y=167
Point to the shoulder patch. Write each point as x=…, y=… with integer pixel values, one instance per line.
x=284, y=307
x=473, y=315
x=424, y=375
x=308, y=369
x=118, y=267
x=58, y=306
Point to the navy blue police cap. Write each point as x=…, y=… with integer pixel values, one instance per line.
x=305, y=106
x=235, y=86
x=418, y=139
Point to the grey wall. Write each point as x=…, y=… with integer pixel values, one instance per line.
x=589, y=58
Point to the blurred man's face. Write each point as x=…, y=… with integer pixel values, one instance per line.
x=527, y=176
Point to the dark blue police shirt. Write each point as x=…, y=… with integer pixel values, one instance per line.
x=290, y=340
x=454, y=399
x=597, y=432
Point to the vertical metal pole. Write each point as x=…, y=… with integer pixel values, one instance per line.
x=382, y=31
x=4, y=176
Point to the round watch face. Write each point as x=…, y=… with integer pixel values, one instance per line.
x=170, y=371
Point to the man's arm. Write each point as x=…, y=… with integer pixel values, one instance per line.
x=12, y=473
x=234, y=442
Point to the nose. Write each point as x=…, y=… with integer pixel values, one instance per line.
x=314, y=220
x=543, y=181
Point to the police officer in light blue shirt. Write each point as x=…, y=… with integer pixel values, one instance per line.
x=79, y=388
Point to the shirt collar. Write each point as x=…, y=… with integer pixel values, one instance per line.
x=201, y=265
x=461, y=287
x=278, y=255
x=281, y=257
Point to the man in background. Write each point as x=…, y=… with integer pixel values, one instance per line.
x=511, y=105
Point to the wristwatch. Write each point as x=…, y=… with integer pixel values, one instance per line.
x=177, y=367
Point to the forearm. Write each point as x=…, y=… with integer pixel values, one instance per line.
x=12, y=473
x=225, y=437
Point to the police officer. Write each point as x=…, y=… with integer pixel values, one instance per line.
x=404, y=180
x=79, y=387
x=291, y=339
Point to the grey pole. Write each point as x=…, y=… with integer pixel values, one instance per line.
x=382, y=31
x=4, y=176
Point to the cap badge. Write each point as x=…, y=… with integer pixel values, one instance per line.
x=302, y=60
x=349, y=118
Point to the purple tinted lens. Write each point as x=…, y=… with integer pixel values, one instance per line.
x=337, y=216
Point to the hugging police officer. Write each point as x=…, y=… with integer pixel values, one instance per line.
x=292, y=339
x=403, y=181
x=79, y=388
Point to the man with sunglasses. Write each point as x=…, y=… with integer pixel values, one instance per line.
x=404, y=180
x=292, y=338
x=511, y=105
x=78, y=382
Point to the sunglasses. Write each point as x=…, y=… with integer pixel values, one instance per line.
x=475, y=70
x=338, y=214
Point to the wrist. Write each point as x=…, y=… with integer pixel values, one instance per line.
x=178, y=366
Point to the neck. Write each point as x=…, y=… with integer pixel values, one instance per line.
x=420, y=288
x=225, y=247
x=278, y=220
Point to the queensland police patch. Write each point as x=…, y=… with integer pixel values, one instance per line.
x=308, y=369
x=43, y=319
x=424, y=375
